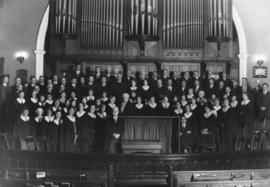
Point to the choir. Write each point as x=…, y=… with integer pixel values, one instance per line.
x=84, y=113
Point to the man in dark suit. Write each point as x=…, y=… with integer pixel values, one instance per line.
x=126, y=107
x=263, y=104
x=114, y=130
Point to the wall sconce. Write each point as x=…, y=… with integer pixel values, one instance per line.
x=21, y=56
x=260, y=62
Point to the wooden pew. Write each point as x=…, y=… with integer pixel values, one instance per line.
x=225, y=178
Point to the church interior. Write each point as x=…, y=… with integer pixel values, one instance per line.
x=129, y=93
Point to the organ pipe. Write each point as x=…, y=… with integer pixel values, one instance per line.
x=65, y=17
x=102, y=23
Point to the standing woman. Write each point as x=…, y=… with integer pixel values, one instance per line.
x=247, y=116
x=99, y=144
x=80, y=118
x=70, y=131
x=85, y=130
x=54, y=132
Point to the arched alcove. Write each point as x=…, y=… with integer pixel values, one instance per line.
x=40, y=47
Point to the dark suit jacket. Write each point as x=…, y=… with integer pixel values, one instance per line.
x=264, y=101
x=114, y=127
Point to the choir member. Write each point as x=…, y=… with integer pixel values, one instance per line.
x=145, y=91
x=56, y=106
x=183, y=101
x=263, y=103
x=23, y=127
x=33, y=103
x=133, y=87
x=114, y=130
x=101, y=87
x=104, y=99
x=118, y=88
x=70, y=131
x=42, y=101
x=159, y=90
x=178, y=111
x=38, y=122
x=190, y=94
x=165, y=108
x=183, y=88
x=47, y=123
x=86, y=124
x=111, y=105
x=186, y=136
x=91, y=84
x=19, y=104
x=139, y=109
x=99, y=144
x=151, y=107
x=90, y=97
x=209, y=121
x=126, y=107
x=229, y=123
x=84, y=102
x=49, y=102
x=54, y=132
x=211, y=88
x=247, y=115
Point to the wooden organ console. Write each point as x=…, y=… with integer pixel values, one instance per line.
x=186, y=34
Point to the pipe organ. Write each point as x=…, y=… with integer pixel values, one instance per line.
x=219, y=19
x=143, y=17
x=174, y=24
x=65, y=19
x=101, y=24
x=183, y=24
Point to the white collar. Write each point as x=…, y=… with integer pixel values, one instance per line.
x=49, y=119
x=92, y=115
x=245, y=102
x=37, y=119
x=234, y=104
x=190, y=96
x=133, y=88
x=139, y=106
x=80, y=114
x=184, y=103
x=49, y=102
x=178, y=111
x=146, y=87
x=21, y=100
x=217, y=108
x=152, y=105
x=207, y=115
x=102, y=115
x=57, y=122
x=166, y=105
x=188, y=115
x=25, y=118
x=112, y=105
x=193, y=106
x=72, y=119
x=5, y=84
x=90, y=98
x=226, y=109
x=34, y=100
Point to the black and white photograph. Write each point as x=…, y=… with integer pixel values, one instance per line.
x=134, y=93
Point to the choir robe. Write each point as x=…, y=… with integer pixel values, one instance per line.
x=39, y=126
x=118, y=89
x=86, y=125
x=209, y=122
x=191, y=121
x=159, y=93
x=69, y=134
x=18, y=107
x=100, y=135
x=113, y=145
x=145, y=93
x=230, y=125
x=109, y=109
x=164, y=110
x=139, y=110
x=210, y=91
x=247, y=116
x=47, y=122
x=54, y=135
x=235, y=107
x=151, y=110
x=23, y=127
x=33, y=105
